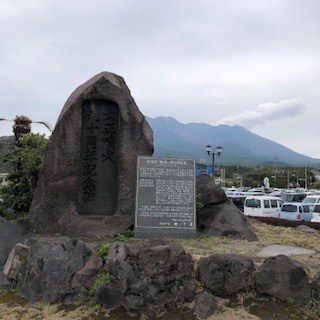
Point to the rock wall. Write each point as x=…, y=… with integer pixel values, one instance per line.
x=147, y=277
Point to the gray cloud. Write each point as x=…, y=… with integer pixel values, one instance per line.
x=196, y=61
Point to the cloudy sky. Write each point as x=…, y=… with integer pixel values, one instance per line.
x=253, y=63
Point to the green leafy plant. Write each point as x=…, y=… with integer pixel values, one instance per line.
x=199, y=203
x=104, y=250
x=291, y=301
x=125, y=235
x=104, y=278
x=97, y=307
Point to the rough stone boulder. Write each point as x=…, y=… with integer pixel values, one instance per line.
x=219, y=216
x=87, y=183
x=84, y=278
x=225, y=274
x=283, y=278
x=205, y=305
x=15, y=261
x=48, y=270
x=149, y=279
x=209, y=192
x=225, y=220
x=315, y=287
x=11, y=232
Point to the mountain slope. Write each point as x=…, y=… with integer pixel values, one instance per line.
x=240, y=146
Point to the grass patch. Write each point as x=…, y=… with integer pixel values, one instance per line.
x=204, y=246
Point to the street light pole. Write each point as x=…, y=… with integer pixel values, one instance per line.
x=212, y=154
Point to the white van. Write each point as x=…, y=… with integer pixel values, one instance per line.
x=262, y=206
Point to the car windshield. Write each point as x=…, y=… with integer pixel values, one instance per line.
x=289, y=208
x=309, y=200
x=293, y=197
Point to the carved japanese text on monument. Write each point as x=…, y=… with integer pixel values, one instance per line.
x=165, y=193
x=98, y=158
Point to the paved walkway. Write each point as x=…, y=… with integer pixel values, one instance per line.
x=277, y=249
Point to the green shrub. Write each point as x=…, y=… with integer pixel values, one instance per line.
x=26, y=160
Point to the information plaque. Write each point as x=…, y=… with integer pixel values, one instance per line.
x=165, y=198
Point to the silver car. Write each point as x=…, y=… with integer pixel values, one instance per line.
x=316, y=213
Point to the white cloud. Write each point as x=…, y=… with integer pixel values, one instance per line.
x=266, y=112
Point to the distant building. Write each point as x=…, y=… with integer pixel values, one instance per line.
x=3, y=177
x=316, y=174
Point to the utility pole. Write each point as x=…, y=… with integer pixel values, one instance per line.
x=306, y=177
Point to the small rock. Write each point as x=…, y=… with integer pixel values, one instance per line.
x=205, y=305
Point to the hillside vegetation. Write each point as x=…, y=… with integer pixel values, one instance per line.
x=6, y=142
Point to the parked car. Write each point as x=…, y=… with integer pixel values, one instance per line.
x=293, y=196
x=316, y=213
x=254, y=192
x=296, y=211
x=237, y=200
x=311, y=201
x=262, y=206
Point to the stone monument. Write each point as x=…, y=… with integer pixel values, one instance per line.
x=87, y=183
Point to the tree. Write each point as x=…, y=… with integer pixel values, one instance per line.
x=21, y=182
x=22, y=126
